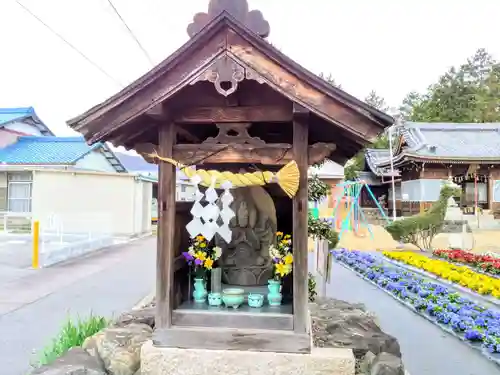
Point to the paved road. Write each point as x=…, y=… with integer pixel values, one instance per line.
x=34, y=304
x=427, y=350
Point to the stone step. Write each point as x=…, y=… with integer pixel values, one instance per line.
x=160, y=360
x=191, y=314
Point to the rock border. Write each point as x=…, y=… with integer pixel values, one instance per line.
x=145, y=302
x=477, y=347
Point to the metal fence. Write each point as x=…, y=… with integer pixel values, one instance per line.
x=61, y=236
x=15, y=223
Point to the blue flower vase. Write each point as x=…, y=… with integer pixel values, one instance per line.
x=274, y=296
x=200, y=291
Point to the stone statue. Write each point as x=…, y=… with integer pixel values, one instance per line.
x=245, y=261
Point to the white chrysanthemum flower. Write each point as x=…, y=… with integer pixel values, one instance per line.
x=191, y=250
x=217, y=251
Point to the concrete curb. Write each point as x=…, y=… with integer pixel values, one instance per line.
x=145, y=301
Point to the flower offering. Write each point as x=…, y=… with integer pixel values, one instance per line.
x=281, y=255
x=200, y=256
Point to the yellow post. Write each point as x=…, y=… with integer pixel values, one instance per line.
x=36, y=245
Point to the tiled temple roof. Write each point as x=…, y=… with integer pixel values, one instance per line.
x=440, y=142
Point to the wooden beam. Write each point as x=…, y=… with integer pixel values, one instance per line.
x=218, y=338
x=187, y=134
x=158, y=112
x=211, y=115
x=270, y=154
x=300, y=234
x=129, y=137
x=166, y=225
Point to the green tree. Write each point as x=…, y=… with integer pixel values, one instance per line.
x=376, y=101
x=469, y=93
x=357, y=163
x=329, y=78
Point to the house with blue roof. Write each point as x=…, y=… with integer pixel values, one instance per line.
x=43, y=176
x=426, y=154
x=23, y=121
x=60, y=152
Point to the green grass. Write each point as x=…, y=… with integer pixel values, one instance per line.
x=72, y=334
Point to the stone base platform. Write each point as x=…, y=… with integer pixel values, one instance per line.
x=175, y=361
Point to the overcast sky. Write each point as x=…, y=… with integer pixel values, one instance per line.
x=388, y=45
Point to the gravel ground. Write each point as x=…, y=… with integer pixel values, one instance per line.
x=427, y=350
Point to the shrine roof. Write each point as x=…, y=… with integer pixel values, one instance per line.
x=441, y=142
x=225, y=36
x=377, y=160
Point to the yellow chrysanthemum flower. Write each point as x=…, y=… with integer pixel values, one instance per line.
x=208, y=264
x=288, y=259
x=280, y=269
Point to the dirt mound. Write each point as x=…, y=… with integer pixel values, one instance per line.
x=377, y=238
x=380, y=239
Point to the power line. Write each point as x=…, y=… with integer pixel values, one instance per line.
x=69, y=44
x=110, y=2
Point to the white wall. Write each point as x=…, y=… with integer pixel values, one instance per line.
x=23, y=128
x=328, y=170
x=91, y=202
x=95, y=161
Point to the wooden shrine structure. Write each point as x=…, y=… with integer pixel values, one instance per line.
x=228, y=99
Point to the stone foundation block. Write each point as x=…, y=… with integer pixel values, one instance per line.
x=175, y=361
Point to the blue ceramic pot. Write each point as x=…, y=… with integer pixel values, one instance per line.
x=214, y=299
x=274, y=296
x=255, y=300
x=199, y=292
x=233, y=297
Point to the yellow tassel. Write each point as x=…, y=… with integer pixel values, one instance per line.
x=287, y=177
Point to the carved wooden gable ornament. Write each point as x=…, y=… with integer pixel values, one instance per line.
x=238, y=9
x=225, y=73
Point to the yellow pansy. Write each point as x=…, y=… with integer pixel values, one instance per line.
x=288, y=259
x=203, y=245
x=461, y=275
x=279, y=234
x=208, y=264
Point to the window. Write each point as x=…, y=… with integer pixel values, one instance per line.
x=471, y=189
x=19, y=191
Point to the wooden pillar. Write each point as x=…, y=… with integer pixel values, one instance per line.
x=300, y=234
x=166, y=228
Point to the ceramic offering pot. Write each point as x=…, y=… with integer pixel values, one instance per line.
x=200, y=292
x=214, y=299
x=233, y=297
x=255, y=300
x=274, y=296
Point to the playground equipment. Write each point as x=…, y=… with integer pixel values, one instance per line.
x=348, y=214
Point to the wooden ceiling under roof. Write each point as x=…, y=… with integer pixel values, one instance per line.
x=227, y=73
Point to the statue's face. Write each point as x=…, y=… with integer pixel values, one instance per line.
x=243, y=214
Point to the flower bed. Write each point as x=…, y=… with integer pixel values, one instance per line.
x=484, y=262
x=464, y=276
x=465, y=319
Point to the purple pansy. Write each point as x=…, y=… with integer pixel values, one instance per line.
x=465, y=317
